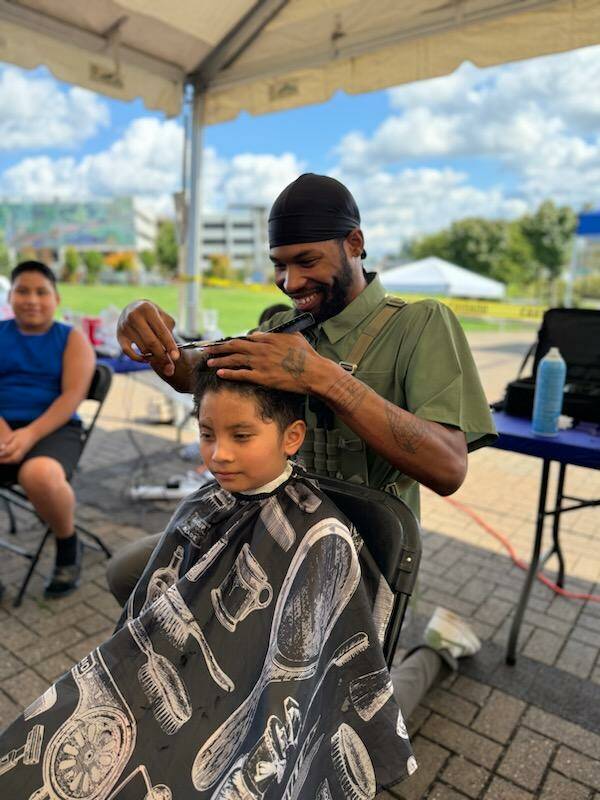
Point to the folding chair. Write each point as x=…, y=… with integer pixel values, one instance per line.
x=12, y=494
x=391, y=533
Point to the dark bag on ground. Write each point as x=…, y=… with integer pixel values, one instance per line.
x=576, y=333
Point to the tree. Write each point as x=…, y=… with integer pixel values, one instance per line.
x=94, y=261
x=71, y=265
x=220, y=267
x=148, y=258
x=434, y=244
x=476, y=244
x=550, y=231
x=167, y=248
x=515, y=262
x=4, y=256
x=471, y=243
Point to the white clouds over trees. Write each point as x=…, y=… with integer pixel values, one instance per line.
x=534, y=122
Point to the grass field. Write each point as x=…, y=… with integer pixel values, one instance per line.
x=238, y=309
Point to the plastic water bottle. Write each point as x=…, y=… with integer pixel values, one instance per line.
x=548, y=398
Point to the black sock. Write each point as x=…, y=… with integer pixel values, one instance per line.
x=66, y=551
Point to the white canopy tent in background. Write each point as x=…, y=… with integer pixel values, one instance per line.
x=434, y=276
x=270, y=55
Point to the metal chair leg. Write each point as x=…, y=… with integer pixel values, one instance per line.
x=11, y=516
x=34, y=558
x=94, y=537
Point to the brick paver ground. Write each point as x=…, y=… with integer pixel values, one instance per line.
x=491, y=732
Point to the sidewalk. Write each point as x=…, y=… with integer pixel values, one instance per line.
x=491, y=733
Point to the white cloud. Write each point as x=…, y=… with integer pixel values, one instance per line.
x=257, y=179
x=529, y=115
x=397, y=206
x=35, y=113
x=536, y=122
x=147, y=162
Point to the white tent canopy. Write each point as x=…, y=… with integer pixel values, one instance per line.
x=270, y=55
x=434, y=276
x=276, y=54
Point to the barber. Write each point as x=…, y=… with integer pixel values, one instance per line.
x=407, y=415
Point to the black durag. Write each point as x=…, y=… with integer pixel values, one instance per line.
x=314, y=208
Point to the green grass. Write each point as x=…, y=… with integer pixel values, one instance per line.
x=238, y=309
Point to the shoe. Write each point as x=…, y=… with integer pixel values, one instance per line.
x=447, y=631
x=65, y=579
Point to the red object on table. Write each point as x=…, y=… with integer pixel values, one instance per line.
x=90, y=326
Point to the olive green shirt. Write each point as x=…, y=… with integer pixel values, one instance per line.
x=420, y=361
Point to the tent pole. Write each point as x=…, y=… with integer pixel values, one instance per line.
x=193, y=250
x=571, y=274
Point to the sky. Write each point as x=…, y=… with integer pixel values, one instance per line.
x=493, y=143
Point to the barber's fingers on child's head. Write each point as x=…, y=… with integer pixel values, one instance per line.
x=163, y=365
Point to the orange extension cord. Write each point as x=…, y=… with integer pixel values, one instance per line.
x=594, y=598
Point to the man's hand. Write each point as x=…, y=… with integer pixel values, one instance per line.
x=18, y=444
x=281, y=360
x=150, y=328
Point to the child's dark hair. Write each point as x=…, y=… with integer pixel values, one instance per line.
x=33, y=266
x=274, y=405
x=270, y=311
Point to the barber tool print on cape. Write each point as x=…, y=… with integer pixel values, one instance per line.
x=265, y=764
x=321, y=579
x=28, y=753
x=159, y=582
x=254, y=672
x=352, y=764
x=161, y=683
x=277, y=524
x=245, y=589
x=303, y=496
x=215, y=503
x=178, y=623
x=323, y=792
x=87, y=754
x=371, y=692
x=42, y=704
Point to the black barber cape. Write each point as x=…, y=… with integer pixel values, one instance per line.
x=247, y=665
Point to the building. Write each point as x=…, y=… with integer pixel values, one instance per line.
x=240, y=234
x=109, y=226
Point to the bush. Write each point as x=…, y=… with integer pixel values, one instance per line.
x=121, y=262
x=589, y=286
x=148, y=259
x=94, y=261
x=71, y=265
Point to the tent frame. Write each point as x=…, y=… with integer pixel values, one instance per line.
x=221, y=57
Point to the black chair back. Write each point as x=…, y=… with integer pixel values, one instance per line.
x=391, y=533
x=98, y=391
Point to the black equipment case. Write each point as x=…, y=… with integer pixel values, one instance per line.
x=576, y=333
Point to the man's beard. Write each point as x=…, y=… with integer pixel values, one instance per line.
x=335, y=297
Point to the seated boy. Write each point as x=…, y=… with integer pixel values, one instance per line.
x=45, y=372
x=248, y=663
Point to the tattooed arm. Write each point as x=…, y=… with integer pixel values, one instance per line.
x=433, y=454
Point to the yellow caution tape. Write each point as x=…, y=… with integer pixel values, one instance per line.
x=487, y=308
x=462, y=308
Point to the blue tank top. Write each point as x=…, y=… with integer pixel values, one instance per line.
x=30, y=370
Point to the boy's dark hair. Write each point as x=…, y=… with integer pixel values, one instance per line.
x=33, y=266
x=270, y=311
x=274, y=405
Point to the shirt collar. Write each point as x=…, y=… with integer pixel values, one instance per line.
x=359, y=309
x=270, y=487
